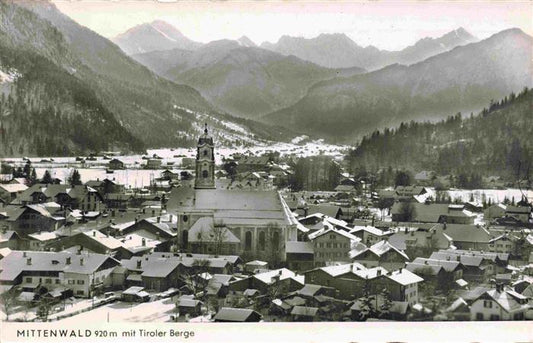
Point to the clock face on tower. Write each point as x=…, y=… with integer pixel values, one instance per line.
x=205, y=162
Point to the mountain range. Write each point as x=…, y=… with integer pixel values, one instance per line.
x=155, y=36
x=108, y=99
x=239, y=78
x=339, y=51
x=463, y=79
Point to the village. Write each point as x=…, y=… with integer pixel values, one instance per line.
x=259, y=237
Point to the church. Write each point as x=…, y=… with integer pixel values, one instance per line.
x=255, y=224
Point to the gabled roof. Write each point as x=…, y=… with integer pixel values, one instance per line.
x=271, y=276
x=331, y=230
x=449, y=266
x=13, y=187
x=304, y=311
x=203, y=230
x=235, y=314
x=508, y=300
x=379, y=249
x=15, y=263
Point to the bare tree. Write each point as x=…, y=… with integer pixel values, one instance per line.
x=218, y=236
x=8, y=301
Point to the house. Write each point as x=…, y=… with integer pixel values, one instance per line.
x=505, y=243
x=499, y=304
x=119, y=201
x=370, y=234
x=100, y=243
x=494, y=211
x=116, y=164
x=283, y=280
x=331, y=244
x=237, y=315
x=444, y=273
x=12, y=240
x=520, y=213
x=84, y=274
x=478, y=266
x=79, y=197
x=421, y=238
x=161, y=228
x=398, y=309
x=154, y=272
x=300, y=255
x=350, y=280
x=40, y=240
x=459, y=310
x=380, y=254
x=10, y=191
x=304, y=313
x=252, y=266
x=135, y=294
x=467, y=236
x=30, y=219
x=189, y=306
x=332, y=211
x=153, y=163
x=105, y=186
x=432, y=213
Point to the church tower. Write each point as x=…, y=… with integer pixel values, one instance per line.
x=205, y=162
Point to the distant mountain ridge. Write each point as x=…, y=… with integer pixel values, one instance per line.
x=339, y=51
x=240, y=79
x=155, y=36
x=463, y=79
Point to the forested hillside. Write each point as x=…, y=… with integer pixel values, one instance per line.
x=498, y=141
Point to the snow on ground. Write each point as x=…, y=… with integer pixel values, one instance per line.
x=495, y=195
x=156, y=311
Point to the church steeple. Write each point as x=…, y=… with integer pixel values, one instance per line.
x=205, y=162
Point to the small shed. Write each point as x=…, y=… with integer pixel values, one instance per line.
x=135, y=294
x=237, y=315
x=189, y=306
x=250, y=267
x=304, y=313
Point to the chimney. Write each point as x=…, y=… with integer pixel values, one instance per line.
x=81, y=261
x=139, y=264
x=458, y=258
x=379, y=272
x=24, y=254
x=94, y=233
x=426, y=262
x=153, y=213
x=170, y=218
x=28, y=261
x=68, y=260
x=136, y=219
x=143, y=242
x=159, y=219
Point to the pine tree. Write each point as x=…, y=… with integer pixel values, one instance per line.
x=75, y=178
x=47, y=178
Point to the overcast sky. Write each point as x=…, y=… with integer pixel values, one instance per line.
x=390, y=25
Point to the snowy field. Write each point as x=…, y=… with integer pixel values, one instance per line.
x=156, y=311
x=136, y=177
x=495, y=195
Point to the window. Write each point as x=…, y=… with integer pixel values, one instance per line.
x=70, y=282
x=79, y=292
x=320, y=245
x=479, y=316
x=185, y=218
x=494, y=317
x=48, y=281
x=262, y=241
x=335, y=245
x=57, y=281
x=518, y=316
x=328, y=245
x=81, y=282
x=205, y=152
x=332, y=237
x=205, y=174
x=248, y=241
x=28, y=279
x=487, y=303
